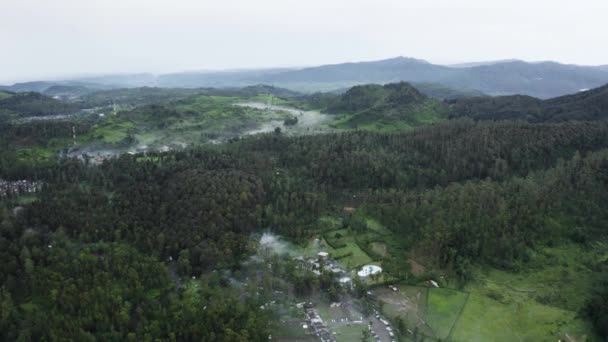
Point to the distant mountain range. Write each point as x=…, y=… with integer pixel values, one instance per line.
x=543, y=80
x=507, y=77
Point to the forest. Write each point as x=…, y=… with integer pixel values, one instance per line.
x=104, y=250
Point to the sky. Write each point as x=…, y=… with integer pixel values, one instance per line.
x=65, y=38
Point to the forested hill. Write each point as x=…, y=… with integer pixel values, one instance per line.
x=392, y=105
x=34, y=104
x=586, y=105
x=364, y=97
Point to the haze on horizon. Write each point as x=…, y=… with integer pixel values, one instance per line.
x=62, y=38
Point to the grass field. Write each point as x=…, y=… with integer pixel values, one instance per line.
x=539, y=303
x=443, y=308
x=486, y=319
x=409, y=304
x=356, y=256
x=4, y=95
x=111, y=131
x=351, y=333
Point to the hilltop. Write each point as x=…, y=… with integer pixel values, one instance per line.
x=385, y=107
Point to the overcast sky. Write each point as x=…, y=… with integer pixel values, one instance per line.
x=44, y=38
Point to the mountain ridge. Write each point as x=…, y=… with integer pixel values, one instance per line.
x=507, y=77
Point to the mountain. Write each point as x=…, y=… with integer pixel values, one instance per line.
x=388, y=70
x=67, y=91
x=228, y=78
x=385, y=107
x=543, y=80
x=118, y=80
x=509, y=77
x=476, y=64
x=59, y=88
x=586, y=105
x=38, y=86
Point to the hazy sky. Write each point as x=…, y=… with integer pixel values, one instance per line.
x=47, y=38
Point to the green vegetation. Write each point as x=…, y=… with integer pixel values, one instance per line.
x=391, y=107
x=111, y=131
x=159, y=246
x=587, y=105
x=35, y=104
x=5, y=95
x=485, y=318
x=443, y=308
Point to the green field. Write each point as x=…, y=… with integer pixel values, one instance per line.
x=443, y=308
x=408, y=304
x=350, y=333
x=542, y=302
x=485, y=319
x=5, y=95
x=111, y=131
x=348, y=251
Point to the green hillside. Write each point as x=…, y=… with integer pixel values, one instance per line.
x=5, y=95
x=389, y=107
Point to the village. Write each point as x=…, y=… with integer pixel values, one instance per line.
x=378, y=327
x=322, y=317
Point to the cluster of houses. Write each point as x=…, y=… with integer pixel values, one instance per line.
x=18, y=187
x=323, y=262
